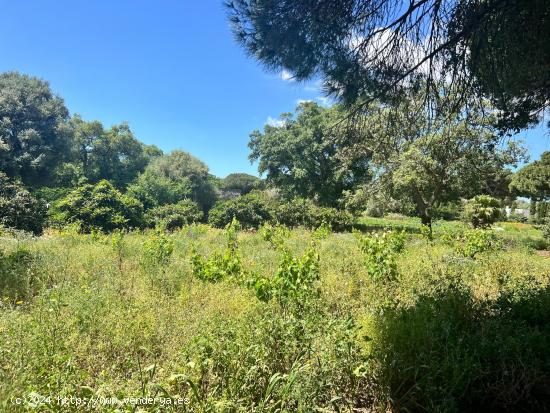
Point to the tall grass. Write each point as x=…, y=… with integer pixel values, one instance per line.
x=427, y=329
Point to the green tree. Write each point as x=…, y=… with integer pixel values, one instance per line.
x=18, y=208
x=34, y=132
x=431, y=162
x=533, y=180
x=113, y=154
x=250, y=210
x=100, y=206
x=173, y=216
x=482, y=211
x=364, y=49
x=240, y=182
x=172, y=178
x=300, y=156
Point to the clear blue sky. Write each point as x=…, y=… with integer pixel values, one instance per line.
x=170, y=68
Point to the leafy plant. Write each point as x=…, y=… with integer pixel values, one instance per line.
x=118, y=244
x=174, y=216
x=250, y=210
x=99, y=206
x=157, y=251
x=294, y=280
x=476, y=241
x=276, y=235
x=18, y=275
x=220, y=266
x=482, y=211
x=18, y=208
x=380, y=250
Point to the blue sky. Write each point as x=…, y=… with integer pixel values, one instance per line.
x=169, y=68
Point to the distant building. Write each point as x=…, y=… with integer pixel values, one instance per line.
x=519, y=211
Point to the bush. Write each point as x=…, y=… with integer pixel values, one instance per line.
x=450, y=353
x=250, y=210
x=449, y=211
x=18, y=208
x=220, y=266
x=100, y=206
x=476, y=241
x=380, y=249
x=514, y=217
x=303, y=212
x=174, y=216
x=18, y=275
x=546, y=230
x=482, y=211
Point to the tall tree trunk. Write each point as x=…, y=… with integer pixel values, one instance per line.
x=426, y=219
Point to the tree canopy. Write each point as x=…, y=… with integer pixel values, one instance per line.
x=364, y=49
x=430, y=162
x=169, y=179
x=533, y=180
x=300, y=156
x=240, y=182
x=113, y=154
x=34, y=130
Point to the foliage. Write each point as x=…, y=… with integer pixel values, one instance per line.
x=34, y=133
x=482, y=211
x=303, y=212
x=374, y=49
x=18, y=208
x=460, y=335
x=433, y=162
x=98, y=206
x=300, y=156
x=294, y=281
x=113, y=154
x=476, y=241
x=157, y=251
x=250, y=210
x=533, y=180
x=220, y=266
x=380, y=250
x=275, y=235
x=118, y=244
x=240, y=183
x=173, y=216
x=546, y=231
x=19, y=275
x=171, y=178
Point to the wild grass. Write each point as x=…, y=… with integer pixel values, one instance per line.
x=431, y=329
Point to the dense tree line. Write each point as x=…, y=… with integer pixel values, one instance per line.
x=59, y=170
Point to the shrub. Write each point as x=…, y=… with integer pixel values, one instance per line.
x=380, y=249
x=174, y=216
x=99, y=206
x=220, y=266
x=157, y=251
x=18, y=275
x=338, y=220
x=18, y=208
x=275, y=235
x=296, y=212
x=449, y=352
x=449, y=211
x=482, y=211
x=250, y=210
x=476, y=241
x=514, y=217
x=546, y=230
x=294, y=281
x=303, y=212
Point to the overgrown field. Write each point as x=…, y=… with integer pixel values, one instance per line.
x=277, y=320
